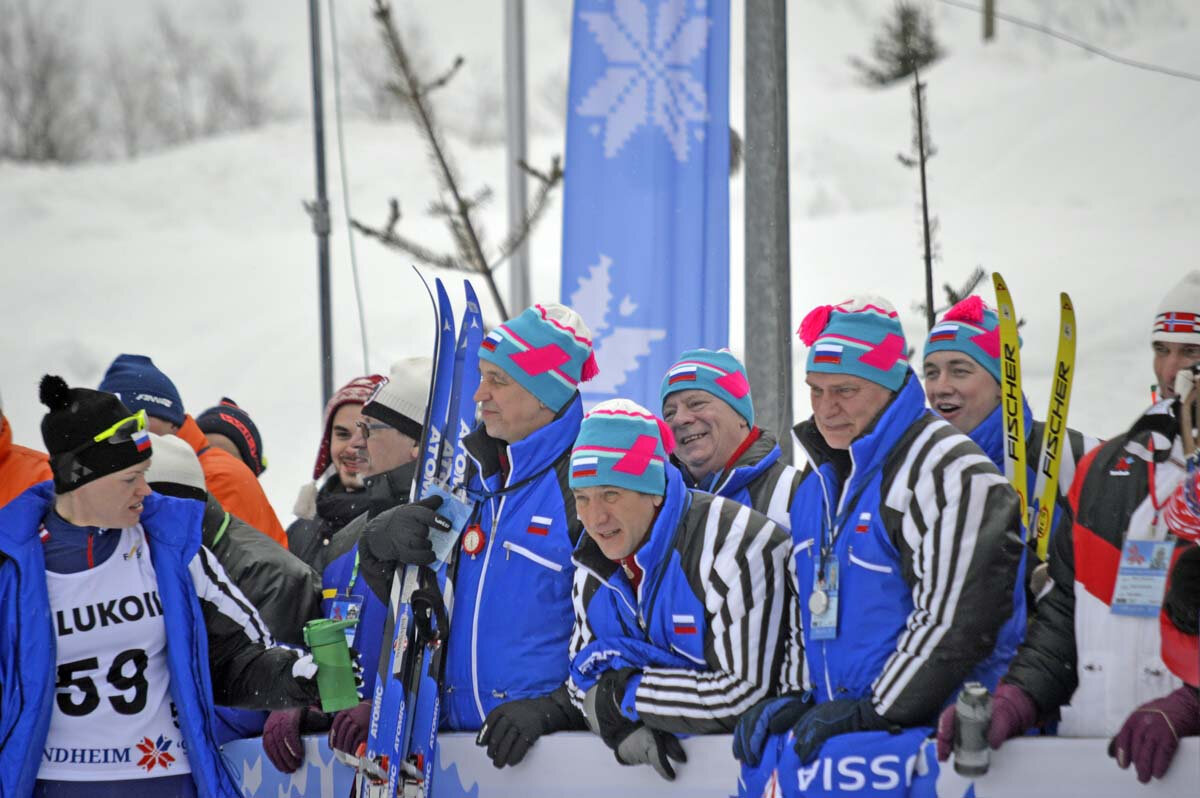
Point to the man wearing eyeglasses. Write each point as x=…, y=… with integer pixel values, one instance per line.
x=120, y=630
x=387, y=437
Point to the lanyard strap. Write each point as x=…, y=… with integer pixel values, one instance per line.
x=353, y=573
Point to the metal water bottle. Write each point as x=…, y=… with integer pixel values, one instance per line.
x=972, y=714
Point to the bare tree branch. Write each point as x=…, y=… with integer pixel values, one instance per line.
x=446, y=77
x=541, y=200
x=470, y=247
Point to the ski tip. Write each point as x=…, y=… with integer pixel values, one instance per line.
x=1065, y=298
x=998, y=281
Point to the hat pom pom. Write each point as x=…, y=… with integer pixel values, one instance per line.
x=590, y=369
x=968, y=310
x=54, y=392
x=813, y=323
x=668, y=438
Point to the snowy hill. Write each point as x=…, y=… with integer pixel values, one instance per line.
x=1063, y=170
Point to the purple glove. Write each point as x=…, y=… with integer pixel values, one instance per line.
x=281, y=740
x=1151, y=733
x=349, y=728
x=945, y=733
x=1013, y=714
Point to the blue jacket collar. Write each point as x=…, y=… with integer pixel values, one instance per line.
x=989, y=434
x=531, y=455
x=656, y=550
x=757, y=458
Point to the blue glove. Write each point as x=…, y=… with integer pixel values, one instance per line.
x=833, y=718
x=770, y=716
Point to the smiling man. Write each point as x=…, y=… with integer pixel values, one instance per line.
x=707, y=404
x=680, y=596
x=1093, y=653
x=962, y=384
x=906, y=541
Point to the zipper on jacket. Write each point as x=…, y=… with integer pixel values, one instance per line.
x=487, y=556
x=510, y=547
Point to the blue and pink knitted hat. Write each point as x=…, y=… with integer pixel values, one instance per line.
x=547, y=349
x=716, y=371
x=861, y=337
x=622, y=443
x=970, y=327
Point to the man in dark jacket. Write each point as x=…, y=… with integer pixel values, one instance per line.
x=285, y=592
x=1093, y=653
x=339, y=499
x=706, y=402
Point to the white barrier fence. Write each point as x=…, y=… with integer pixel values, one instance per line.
x=578, y=764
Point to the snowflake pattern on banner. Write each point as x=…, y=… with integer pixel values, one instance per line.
x=649, y=79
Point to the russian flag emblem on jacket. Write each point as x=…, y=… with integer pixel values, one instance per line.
x=684, y=624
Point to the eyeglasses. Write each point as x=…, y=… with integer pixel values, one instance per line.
x=366, y=428
x=123, y=431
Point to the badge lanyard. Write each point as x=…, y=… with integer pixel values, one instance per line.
x=823, y=600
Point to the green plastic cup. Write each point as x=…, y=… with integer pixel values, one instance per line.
x=335, y=674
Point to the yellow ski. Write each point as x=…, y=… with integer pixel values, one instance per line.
x=1011, y=398
x=1054, y=436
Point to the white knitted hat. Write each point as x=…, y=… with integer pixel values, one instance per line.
x=401, y=400
x=174, y=461
x=1178, y=317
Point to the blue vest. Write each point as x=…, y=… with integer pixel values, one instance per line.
x=512, y=615
x=27, y=641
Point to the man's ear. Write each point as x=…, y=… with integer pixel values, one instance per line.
x=658, y=500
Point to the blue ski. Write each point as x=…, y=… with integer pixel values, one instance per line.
x=401, y=743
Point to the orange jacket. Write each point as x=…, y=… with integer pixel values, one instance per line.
x=19, y=467
x=233, y=483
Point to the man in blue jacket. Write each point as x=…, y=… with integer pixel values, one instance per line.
x=120, y=630
x=680, y=595
x=906, y=538
x=707, y=404
x=506, y=664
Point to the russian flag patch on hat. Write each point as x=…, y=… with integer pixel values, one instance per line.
x=141, y=439
x=943, y=332
x=827, y=353
x=584, y=466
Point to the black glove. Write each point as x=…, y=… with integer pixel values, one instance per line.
x=512, y=728
x=602, y=707
x=646, y=746
x=833, y=718
x=773, y=715
x=395, y=537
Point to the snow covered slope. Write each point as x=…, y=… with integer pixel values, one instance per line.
x=1063, y=170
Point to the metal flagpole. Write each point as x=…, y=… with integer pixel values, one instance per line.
x=768, y=285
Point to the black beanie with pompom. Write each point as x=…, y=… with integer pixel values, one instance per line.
x=75, y=417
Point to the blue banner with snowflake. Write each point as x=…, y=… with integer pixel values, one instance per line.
x=646, y=192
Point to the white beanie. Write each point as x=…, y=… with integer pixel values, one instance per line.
x=1178, y=316
x=174, y=462
x=400, y=401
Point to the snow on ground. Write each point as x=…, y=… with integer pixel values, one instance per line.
x=1063, y=170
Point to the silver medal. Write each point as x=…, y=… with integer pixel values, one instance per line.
x=818, y=602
